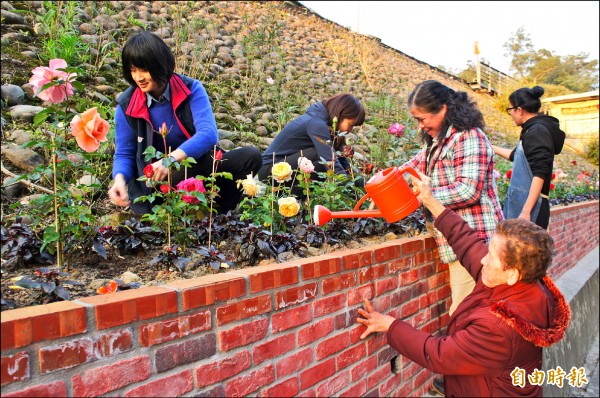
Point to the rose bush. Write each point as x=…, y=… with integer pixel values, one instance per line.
x=72, y=226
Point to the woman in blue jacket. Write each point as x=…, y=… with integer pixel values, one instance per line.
x=158, y=95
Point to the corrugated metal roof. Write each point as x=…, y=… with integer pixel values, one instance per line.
x=590, y=95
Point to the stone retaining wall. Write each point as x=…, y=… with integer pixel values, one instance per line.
x=274, y=330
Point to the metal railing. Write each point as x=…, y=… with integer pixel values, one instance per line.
x=492, y=81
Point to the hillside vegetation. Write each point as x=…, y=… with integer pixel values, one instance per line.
x=262, y=63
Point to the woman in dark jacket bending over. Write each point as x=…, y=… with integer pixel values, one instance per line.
x=315, y=135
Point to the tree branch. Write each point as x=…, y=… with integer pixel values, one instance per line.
x=26, y=182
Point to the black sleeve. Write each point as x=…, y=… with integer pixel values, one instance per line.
x=539, y=150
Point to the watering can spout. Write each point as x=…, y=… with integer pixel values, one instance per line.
x=388, y=190
x=323, y=215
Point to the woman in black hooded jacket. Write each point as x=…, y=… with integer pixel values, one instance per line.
x=533, y=158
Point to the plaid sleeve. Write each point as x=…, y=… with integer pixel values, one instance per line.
x=462, y=173
x=417, y=162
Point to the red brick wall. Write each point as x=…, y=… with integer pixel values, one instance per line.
x=275, y=330
x=575, y=230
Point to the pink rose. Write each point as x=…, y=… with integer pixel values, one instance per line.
x=191, y=185
x=163, y=130
x=396, y=129
x=89, y=129
x=43, y=75
x=305, y=165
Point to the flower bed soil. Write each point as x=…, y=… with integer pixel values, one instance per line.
x=93, y=271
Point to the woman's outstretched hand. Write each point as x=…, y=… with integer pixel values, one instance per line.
x=118, y=193
x=374, y=321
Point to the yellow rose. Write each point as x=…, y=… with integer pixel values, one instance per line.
x=252, y=186
x=288, y=207
x=282, y=172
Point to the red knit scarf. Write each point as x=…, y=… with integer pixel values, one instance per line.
x=530, y=332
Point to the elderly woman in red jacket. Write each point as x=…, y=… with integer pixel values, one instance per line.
x=514, y=310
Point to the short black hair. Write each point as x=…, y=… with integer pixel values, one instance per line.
x=146, y=50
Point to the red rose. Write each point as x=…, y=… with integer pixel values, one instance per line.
x=574, y=163
x=165, y=188
x=149, y=171
x=218, y=155
x=367, y=168
x=553, y=176
x=348, y=151
x=551, y=186
x=509, y=174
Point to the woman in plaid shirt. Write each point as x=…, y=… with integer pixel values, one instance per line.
x=459, y=159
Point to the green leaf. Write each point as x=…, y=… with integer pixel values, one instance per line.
x=61, y=155
x=150, y=153
x=50, y=235
x=188, y=162
x=41, y=116
x=12, y=180
x=51, y=83
x=78, y=85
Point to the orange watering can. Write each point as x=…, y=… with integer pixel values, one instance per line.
x=389, y=191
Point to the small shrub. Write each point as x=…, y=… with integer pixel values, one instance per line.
x=592, y=152
x=47, y=285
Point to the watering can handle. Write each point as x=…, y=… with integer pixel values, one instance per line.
x=360, y=202
x=413, y=172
